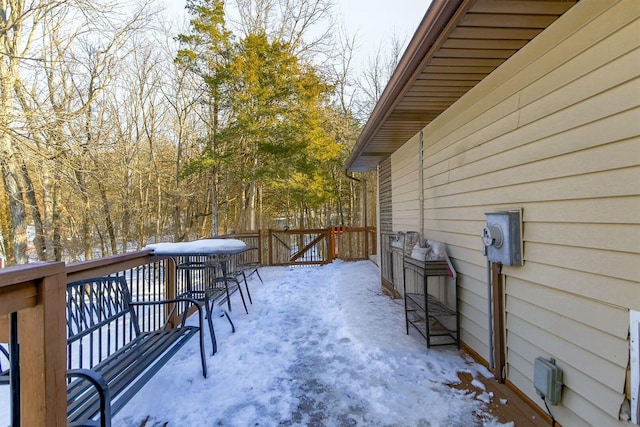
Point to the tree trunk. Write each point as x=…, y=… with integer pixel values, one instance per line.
x=85, y=241
x=214, y=171
x=214, y=202
x=253, y=189
x=10, y=40
x=18, y=213
x=339, y=207
x=126, y=210
x=177, y=200
x=39, y=241
x=55, y=221
x=107, y=217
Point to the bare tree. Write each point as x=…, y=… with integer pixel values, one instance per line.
x=182, y=101
x=305, y=25
x=376, y=75
x=67, y=51
x=342, y=72
x=253, y=16
x=81, y=69
x=19, y=25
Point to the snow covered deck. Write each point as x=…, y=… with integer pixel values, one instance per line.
x=320, y=346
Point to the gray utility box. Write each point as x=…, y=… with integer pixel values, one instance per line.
x=547, y=380
x=503, y=237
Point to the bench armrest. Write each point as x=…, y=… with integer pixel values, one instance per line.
x=198, y=307
x=164, y=301
x=104, y=393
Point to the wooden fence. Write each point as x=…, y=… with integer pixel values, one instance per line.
x=310, y=246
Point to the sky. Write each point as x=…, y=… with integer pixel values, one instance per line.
x=373, y=21
x=320, y=346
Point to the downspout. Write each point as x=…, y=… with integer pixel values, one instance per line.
x=489, y=315
x=489, y=307
x=364, y=196
x=364, y=210
x=421, y=183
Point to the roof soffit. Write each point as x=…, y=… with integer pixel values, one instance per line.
x=457, y=45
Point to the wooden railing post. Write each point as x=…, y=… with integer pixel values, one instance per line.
x=42, y=340
x=365, y=234
x=333, y=252
x=270, y=245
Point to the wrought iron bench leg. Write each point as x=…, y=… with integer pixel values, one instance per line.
x=104, y=393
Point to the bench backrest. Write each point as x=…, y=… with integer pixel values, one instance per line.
x=99, y=320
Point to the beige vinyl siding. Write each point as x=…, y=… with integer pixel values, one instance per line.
x=554, y=131
x=384, y=197
x=405, y=164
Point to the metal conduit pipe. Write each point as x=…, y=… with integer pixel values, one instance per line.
x=364, y=221
x=489, y=314
x=421, y=183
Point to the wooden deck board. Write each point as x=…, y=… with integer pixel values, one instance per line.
x=515, y=409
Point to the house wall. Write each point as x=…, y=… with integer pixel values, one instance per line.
x=554, y=131
x=405, y=164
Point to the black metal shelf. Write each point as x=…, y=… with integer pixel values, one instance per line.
x=436, y=321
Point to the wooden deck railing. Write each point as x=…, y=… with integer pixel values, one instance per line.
x=33, y=305
x=32, y=302
x=353, y=243
x=33, y=310
x=310, y=246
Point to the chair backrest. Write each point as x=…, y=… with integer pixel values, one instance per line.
x=251, y=257
x=198, y=273
x=99, y=319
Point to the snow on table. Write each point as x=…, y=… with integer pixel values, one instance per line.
x=204, y=246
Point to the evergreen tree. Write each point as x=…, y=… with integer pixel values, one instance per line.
x=205, y=53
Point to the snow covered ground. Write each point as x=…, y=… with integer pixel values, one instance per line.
x=321, y=346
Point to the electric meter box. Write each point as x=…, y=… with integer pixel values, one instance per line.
x=503, y=237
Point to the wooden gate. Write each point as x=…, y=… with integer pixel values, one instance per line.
x=320, y=246
x=309, y=247
x=299, y=247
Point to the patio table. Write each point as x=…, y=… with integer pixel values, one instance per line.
x=209, y=256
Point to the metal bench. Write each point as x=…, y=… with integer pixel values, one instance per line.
x=110, y=357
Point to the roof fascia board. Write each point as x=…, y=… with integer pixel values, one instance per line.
x=441, y=17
